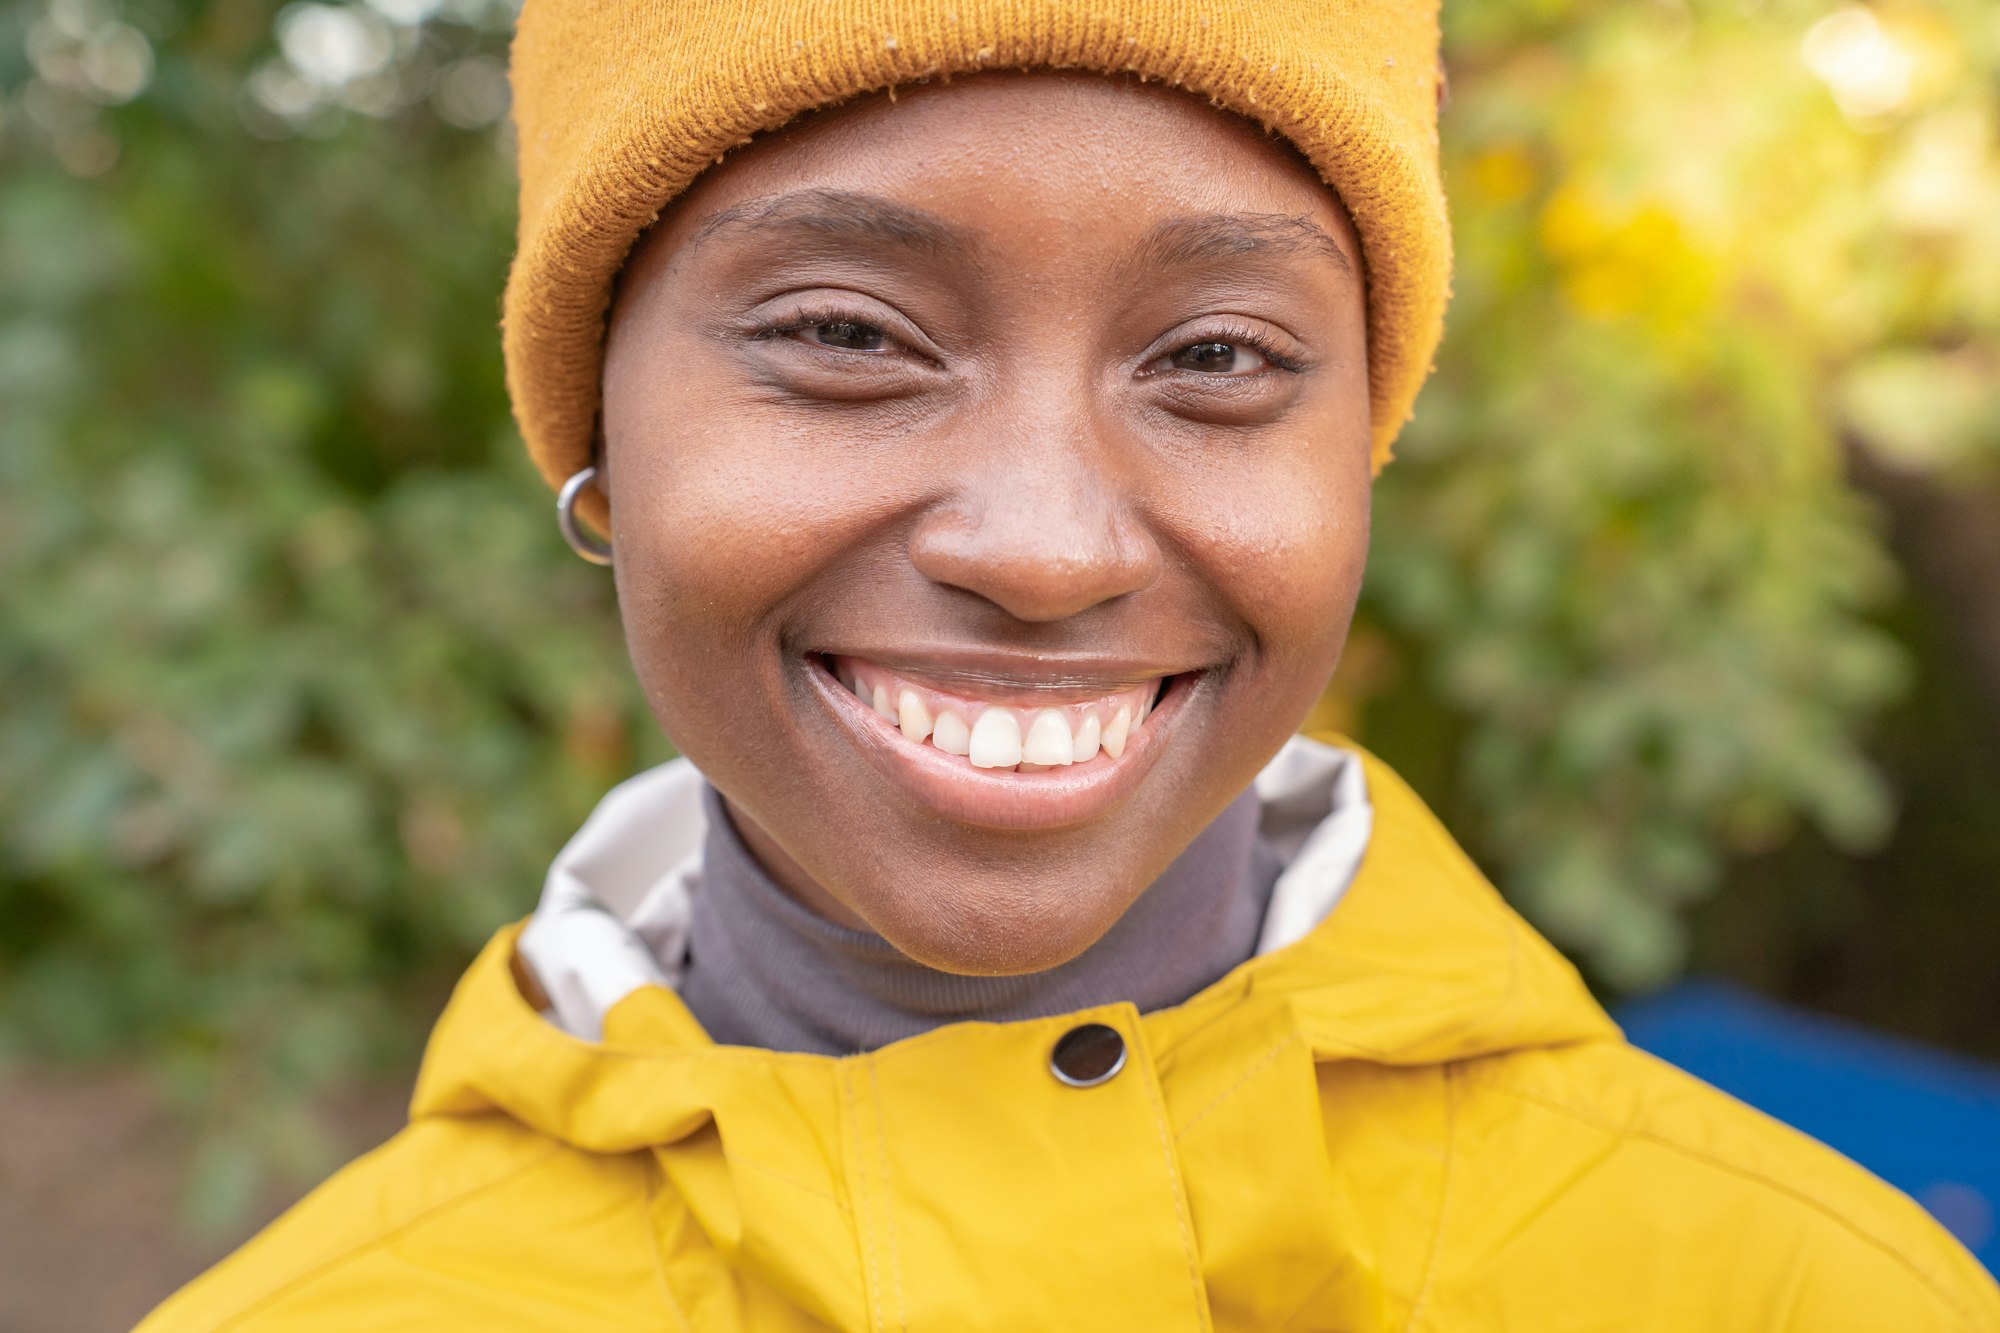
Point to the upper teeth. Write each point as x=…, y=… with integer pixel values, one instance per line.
x=1048, y=740
x=952, y=735
x=1088, y=737
x=996, y=739
x=998, y=736
x=914, y=718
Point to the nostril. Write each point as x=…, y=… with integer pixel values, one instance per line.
x=1035, y=571
x=1041, y=547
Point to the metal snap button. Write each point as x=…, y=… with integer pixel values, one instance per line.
x=1088, y=1055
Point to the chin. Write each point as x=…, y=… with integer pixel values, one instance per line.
x=991, y=923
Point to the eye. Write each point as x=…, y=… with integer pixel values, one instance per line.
x=845, y=334
x=1219, y=358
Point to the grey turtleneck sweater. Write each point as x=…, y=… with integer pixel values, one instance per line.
x=764, y=971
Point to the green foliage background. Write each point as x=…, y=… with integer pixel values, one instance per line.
x=299, y=690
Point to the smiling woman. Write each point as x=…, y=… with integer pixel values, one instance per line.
x=1024, y=423
x=987, y=467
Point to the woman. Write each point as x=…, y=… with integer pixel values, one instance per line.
x=982, y=401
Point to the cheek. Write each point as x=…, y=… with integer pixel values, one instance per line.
x=719, y=525
x=710, y=533
x=719, y=515
x=1286, y=547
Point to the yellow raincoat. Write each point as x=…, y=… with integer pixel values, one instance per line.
x=1414, y=1118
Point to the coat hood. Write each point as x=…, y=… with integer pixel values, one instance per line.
x=1409, y=1117
x=1422, y=963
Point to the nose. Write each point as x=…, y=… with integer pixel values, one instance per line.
x=1044, y=530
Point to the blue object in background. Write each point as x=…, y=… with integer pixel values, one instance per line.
x=1926, y=1122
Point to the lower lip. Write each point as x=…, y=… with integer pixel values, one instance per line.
x=1002, y=798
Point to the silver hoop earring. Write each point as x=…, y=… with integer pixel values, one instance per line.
x=588, y=545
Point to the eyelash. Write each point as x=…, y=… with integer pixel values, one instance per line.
x=813, y=317
x=1239, y=335
x=1235, y=334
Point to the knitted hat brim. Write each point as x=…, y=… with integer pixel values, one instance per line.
x=594, y=179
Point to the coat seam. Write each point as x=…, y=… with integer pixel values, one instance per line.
x=1323, y=1037
x=888, y=1208
x=1257, y=1067
x=859, y=1175
x=1299, y=1311
x=355, y=1251
x=1453, y=862
x=1746, y=1173
x=736, y=1159
x=660, y=1260
x=1177, y=1197
x=1431, y=1266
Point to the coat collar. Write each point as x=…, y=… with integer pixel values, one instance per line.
x=1422, y=964
x=616, y=907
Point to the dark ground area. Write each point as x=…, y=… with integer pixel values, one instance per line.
x=92, y=1166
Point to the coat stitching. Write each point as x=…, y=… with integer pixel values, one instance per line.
x=320, y=1270
x=1322, y=1035
x=660, y=1260
x=1300, y=1310
x=1778, y=1186
x=736, y=1159
x=861, y=1188
x=1159, y=1111
x=888, y=1206
x=949, y=1032
x=1257, y=1067
x=1444, y=1198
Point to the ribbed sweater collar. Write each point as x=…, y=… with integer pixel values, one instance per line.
x=764, y=971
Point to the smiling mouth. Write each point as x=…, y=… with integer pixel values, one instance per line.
x=1001, y=736
x=1032, y=755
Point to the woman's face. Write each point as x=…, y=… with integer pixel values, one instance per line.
x=988, y=472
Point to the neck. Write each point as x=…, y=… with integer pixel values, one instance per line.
x=765, y=971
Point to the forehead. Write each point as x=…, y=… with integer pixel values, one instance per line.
x=1031, y=163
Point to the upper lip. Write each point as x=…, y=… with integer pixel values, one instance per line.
x=987, y=672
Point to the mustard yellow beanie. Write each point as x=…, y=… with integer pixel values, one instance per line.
x=620, y=104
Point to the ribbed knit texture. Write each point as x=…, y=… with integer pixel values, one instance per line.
x=620, y=104
x=763, y=971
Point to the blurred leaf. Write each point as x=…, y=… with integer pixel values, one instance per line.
x=302, y=690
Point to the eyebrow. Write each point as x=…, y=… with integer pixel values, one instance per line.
x=847, y=216
x=1196, y=241
x=858, y=218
